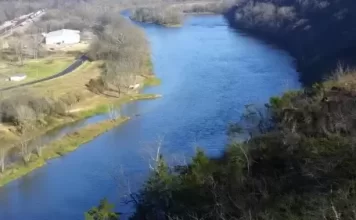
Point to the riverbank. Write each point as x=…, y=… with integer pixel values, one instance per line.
x=173, y=15
x=68, y=143
x=314, y=38
x=73, y=140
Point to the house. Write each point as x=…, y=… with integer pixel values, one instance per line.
x=64, y=36
x=18, y=77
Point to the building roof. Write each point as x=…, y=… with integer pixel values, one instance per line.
x=61, y=32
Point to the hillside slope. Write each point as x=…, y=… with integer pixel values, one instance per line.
x=320, y=34
x=297, y=164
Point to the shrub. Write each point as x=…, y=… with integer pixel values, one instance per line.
x=26, y=109
x=158, y=15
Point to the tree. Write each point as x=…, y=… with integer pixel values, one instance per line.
x=38, y=147
x=103, y=212
x=25, y=150
x=17, y=45
x=3, y=154
x=113, y=112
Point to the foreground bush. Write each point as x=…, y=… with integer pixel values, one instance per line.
x=103, y=212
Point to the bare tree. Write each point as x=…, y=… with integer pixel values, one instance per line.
x=18, y=47
x=25, y=150
x=113, y=112
x=35, y=46
x=152, y=151
x=3, y=154
x=38, y=148
x=25, y=116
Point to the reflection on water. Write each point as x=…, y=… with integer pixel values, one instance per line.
x=209, y=73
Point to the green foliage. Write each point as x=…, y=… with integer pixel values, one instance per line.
x=301, y=169
x=280, y=102
x=103, y=212
x=152, y=81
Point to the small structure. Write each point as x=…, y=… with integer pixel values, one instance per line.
x=64, y=36
x=18, y=77
x=136, y=86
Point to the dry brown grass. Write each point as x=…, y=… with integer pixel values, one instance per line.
x=342, y=77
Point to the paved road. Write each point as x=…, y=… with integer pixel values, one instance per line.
x=69, y=69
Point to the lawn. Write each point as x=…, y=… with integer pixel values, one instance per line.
x=35, y=69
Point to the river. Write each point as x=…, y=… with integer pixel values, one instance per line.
x=209, y=72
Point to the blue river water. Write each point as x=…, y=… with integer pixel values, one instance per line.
x=209, y=72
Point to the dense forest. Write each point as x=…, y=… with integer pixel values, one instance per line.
x=320, y=34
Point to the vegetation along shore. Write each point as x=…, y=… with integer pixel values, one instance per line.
x=318, y=33
x=172, y=15
x=298, y=157
x=118, y=66
x=58, y=148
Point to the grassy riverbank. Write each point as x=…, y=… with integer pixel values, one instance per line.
x=58, y=148
x=103, y=105
x=72, y=141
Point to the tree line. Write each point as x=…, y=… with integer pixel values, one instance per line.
x=172, y=13
x=313, y=31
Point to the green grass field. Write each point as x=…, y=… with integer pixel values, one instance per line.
x=35, y=69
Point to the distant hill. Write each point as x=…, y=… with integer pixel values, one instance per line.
x=318, y=33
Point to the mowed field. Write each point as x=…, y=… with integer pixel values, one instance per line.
x=34, y=69
x=72, y=82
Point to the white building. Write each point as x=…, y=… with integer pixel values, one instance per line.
x=63, y=36
x=18, y=77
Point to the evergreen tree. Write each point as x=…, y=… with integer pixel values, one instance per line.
x=103, y=212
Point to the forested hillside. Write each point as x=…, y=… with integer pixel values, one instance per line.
x=299, y=163
x=318, y=33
